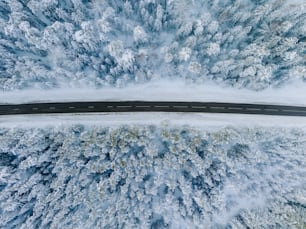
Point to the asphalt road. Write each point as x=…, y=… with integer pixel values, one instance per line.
x=141, y=106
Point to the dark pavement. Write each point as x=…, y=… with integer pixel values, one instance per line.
x=141, y=106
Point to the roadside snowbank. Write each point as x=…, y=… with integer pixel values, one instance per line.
x=292, y=94
x=207, y=121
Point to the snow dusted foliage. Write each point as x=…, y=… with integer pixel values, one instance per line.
x=242, y=43
x=152, y=177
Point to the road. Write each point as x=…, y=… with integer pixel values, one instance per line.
x=142, y=106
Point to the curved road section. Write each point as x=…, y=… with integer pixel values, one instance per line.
x=146, y=106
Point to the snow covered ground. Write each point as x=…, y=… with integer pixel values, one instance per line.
x=163, y=90
x=211, y=121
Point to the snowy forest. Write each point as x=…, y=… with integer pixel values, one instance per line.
x=239, y=43
x=155, y=176
x=145, y=175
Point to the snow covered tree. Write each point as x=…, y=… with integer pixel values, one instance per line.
x=65, y=42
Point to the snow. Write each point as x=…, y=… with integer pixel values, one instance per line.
x=140, y=35
x=152, y=170
x=163, y=90
x=100, y=175
x=295, y=3
x=213, y=49
x=97, y=43
x=196, y=120
x=185, y=54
